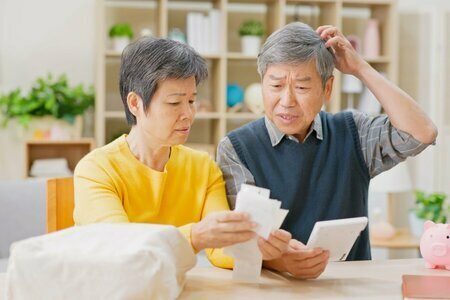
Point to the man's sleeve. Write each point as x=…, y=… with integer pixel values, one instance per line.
x=234, y=171
x=383, y=146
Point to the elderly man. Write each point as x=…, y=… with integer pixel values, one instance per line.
x=317, y=163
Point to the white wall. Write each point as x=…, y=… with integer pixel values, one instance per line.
x=43, y=36
x=2, y=26
x=38, y=37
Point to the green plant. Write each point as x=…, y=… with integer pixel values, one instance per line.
x=47, y=97
x=121, y=30
x=431, y=207
x=251, y=27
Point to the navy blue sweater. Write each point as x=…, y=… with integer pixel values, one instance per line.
x=317, y=180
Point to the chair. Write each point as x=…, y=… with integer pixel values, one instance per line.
x=60, y=203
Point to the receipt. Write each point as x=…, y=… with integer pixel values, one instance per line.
x=269, y=216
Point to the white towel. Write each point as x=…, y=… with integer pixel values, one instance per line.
x=101, y=261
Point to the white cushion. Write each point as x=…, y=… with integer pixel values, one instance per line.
x=101, y=261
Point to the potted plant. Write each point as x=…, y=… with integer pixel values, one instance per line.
x=251, y=32
x=48, y=100
x=121, y=35
x=428, y=207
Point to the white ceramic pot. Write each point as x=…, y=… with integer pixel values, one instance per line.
x=119, y=43
x=250, y=44
x=50, y=128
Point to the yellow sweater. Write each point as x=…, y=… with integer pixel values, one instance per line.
x=111, y=185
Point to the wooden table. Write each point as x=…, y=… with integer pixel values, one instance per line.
x=341, y=280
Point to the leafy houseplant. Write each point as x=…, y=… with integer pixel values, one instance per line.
x=251, y=32
x=251, y=27
x=120, y=34
x=121, y=30
x=431, y=207
x=48, y=97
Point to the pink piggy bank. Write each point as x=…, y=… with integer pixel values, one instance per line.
x=435, y=245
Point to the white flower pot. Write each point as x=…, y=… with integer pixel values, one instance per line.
x=416, y=225
x=119, y=43
x=50, y=128
x=250, y=44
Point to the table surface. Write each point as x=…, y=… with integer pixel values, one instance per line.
x=341, y=280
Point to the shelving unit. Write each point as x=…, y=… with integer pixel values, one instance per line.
x=71, y=150
x=229, y=65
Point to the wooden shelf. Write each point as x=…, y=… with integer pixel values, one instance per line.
x=211, y=56
x=207, y=115
x=72, y=150
x=230, y=65
x=402, y=240
x=200, y=115
x=367, y=2
x=112, y=54
x=377, y=60
x=114, y=114
x=243, y=116
x=143, y=4
x=240, y=56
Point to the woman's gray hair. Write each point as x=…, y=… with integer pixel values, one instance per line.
x=296, y=43
x=149, y=61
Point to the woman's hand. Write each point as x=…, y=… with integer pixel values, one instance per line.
x=276, y=245
x=347, y=61
x=221, y=229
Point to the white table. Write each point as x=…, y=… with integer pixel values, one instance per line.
x=345, y=280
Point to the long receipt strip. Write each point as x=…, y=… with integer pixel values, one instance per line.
x=269, y=216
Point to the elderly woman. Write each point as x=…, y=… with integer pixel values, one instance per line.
x=147, y=176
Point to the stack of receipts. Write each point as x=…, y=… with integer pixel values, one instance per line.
x=269, y=216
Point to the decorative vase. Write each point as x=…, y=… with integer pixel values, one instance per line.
x=254, y=99
x=372, y=39
x=235, y=95
x=119, y=43
x=415, y=224
x=250, y=44
x=351, y=85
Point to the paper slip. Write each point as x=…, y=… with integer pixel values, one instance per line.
x=269, y=216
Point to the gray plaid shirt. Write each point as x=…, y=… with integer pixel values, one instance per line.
x=382, y=145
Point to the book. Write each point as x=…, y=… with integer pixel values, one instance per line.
x=426, y=287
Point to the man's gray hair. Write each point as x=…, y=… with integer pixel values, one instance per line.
x=149, y=61
x=296, y=43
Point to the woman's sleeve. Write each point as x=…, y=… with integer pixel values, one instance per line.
x=96, y=197
x=216, y=200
